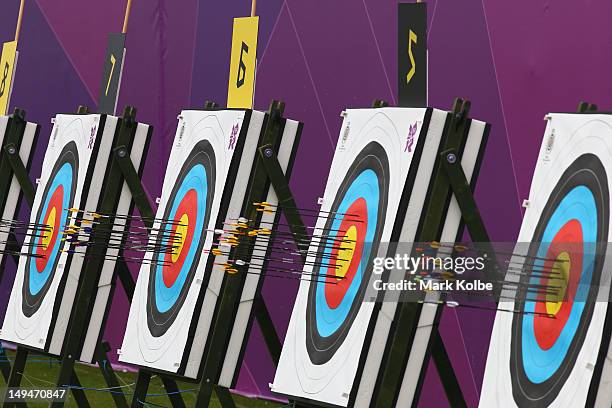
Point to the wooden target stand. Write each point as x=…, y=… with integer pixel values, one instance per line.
x=120, y=169
x=448, y=179
x=12, y=165
x=267, y=171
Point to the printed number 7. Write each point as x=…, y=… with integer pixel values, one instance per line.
x=113, y=60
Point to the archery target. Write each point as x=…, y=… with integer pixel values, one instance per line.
x=41, y=275
x=377, y=157
x=188, y=209
x=44, y=254
x=558, y=360
x=11, y=197
x=206, y=152
x=356, y=225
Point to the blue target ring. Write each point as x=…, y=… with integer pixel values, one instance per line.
x=365, y=186
x=543, y=353
x=184, y=224
x=58, y=196
x=63, y=178
x=195, y=180
x=579, y=204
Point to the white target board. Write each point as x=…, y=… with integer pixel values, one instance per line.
x=565, y=360
x=13, y=195
x=379, y=175
x=44, y=291
x=204, y=189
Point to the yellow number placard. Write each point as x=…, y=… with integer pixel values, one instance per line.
x=7, y=66
x=242, y=63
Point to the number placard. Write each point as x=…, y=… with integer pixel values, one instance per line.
x=412, y=54
x=111, y=77
x=7, y=67
x=242, y=63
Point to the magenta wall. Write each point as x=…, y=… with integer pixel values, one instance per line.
x=514, y=60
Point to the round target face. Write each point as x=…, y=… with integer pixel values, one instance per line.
x=344, y=257
x=44, y=253
x=183, y=230
x=572, y=226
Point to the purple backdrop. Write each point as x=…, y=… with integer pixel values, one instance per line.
x=514, y=60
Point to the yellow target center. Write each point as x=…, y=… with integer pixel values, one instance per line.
x=345, y=252
x=180, y=234
x=48, y=234
x=560, y=269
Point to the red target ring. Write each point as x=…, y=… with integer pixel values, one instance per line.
x=181, y=237
x=566, y=244
x=52, y=219
x=346, y=252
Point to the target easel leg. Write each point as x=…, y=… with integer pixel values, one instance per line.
x=204, y=396
x=173, y=392
x=109, y=375
x=225, y=397
x=16, y=375
x=68, y=378
x=77, y=392
x=140, y=391
x=19, y=169
x=285, y=198
x=267, y=328
x=126, y=279
x=447, y=373
x=132, y=179
x=5, y=364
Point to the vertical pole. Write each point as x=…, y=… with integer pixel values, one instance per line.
x=253, y=7
x=126, y=18
x=19, y=20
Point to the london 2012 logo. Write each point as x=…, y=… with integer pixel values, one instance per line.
x=92, y=136
x=233, y=137
x=412, y=130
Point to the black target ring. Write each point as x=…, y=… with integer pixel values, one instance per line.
x=587, y=172
x=365, y=186
x=40, y=271
x=191, y=197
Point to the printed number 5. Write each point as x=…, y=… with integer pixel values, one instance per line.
x=412, y=38
x=112, y=60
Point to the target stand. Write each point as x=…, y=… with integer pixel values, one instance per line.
x=266, y=172
x=449, y=180
x=18, y=139
x=120, y=168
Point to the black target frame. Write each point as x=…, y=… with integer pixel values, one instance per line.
x=11, y=165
